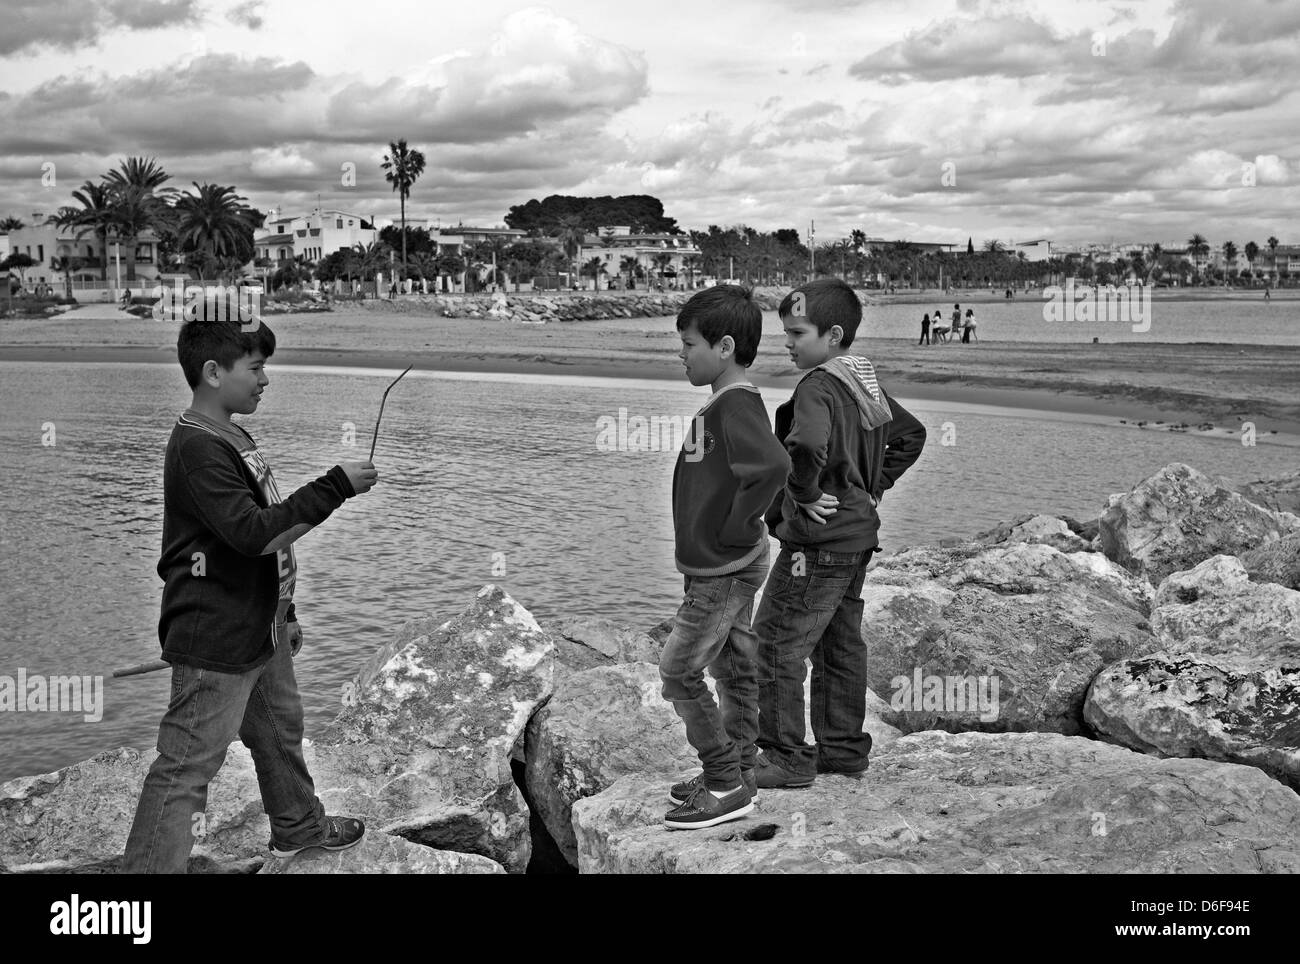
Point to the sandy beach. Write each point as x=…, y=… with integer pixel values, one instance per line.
x=1155, y=382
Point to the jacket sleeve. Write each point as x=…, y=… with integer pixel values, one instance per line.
x=809, y=440
x=902, y=447
x=758, y=463
x=219, y=491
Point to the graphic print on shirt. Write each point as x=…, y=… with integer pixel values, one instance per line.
x=286, y=564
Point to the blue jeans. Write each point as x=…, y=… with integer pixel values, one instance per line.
x=812, y=608
x=206, y=712
x=712, y=630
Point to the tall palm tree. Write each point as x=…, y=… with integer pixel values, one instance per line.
x=402, y=168
x=1229, y=255
x=95, y=216
x=216, y=220
x=571, y=236
x=1272, y=251
x=138, y=203
x=1197, y=245
x=11, y=224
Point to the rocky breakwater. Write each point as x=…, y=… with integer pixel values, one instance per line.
x=1141, y=723
x=422, y=750
x=540, y=308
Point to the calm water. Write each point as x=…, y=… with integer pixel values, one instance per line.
x=1021, y=320
x=475, y=472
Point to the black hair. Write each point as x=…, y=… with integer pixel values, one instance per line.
x=826, y=302
x=221, y=341
x=725, y=310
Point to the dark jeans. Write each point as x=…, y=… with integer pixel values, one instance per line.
x=812, y=607
x=925, y=337
x=206, y=712
x=712, y=630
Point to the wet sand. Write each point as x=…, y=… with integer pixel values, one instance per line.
x=1155, y=382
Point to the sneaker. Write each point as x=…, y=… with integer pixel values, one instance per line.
x=773, y=776
x=703, y=809
x=851, y=774
x=681, y=792
x=341, y=833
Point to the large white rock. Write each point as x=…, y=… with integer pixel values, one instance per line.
x=1036, y=622
x=1180, y=517
x=424, y=749
x=1213, y=708
x=1215, y=608
x=936, y=802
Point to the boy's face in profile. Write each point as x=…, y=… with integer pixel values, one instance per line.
x=240, y=389
x=807, y=348
x=704, y=362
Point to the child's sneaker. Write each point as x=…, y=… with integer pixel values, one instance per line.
x=703, y=809
x=681, y=792
x=773, y=776
x=341, y=833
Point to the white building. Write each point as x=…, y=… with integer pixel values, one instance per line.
x=314, y=236
x=44, y=242
x=658, y=255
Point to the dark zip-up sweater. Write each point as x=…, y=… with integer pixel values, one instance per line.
x=219, y=608
x=842, y=440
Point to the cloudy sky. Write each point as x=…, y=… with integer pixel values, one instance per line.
x=933, y=120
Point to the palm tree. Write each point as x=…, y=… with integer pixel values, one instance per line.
x=571, y=236
x=1229, y=255
x=67, y=265
x=628, y=265
x=691, y=263
x=594, y=267
x=1272, y=251
x=11, y=224
x=402, y=168
x=216, y=220
x=663, y=262
x=95, y=216
x=1157, y=252
x=138, y=204
x=1197, y=245
x=1252, y=252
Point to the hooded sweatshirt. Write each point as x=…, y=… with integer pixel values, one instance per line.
x=848, y=438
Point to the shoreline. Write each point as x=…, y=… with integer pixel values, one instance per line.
x=1158, y=407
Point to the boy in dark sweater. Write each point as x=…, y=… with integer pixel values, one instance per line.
x=729, y=469
x=228, y=625
x=848, y=442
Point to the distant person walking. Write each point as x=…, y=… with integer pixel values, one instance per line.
x=1267, y=295
x=955, y=329
x=969, y=331
x=925, y=331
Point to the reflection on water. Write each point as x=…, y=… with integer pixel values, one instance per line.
x=475, y=473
